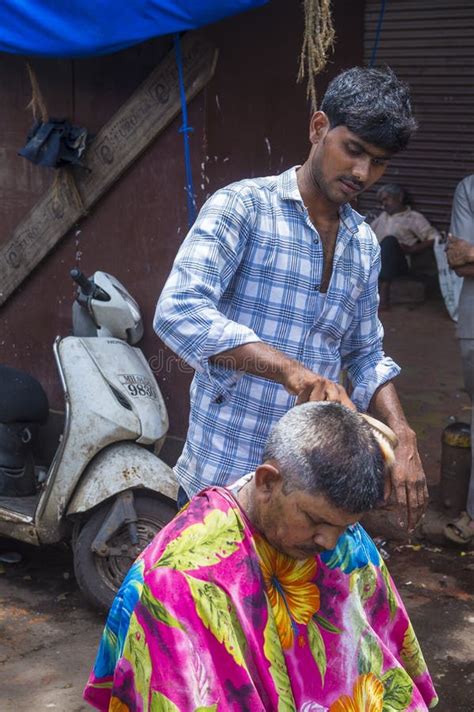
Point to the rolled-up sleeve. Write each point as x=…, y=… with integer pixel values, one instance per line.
x=362, y=353
x=187, y=316
x=423, y=229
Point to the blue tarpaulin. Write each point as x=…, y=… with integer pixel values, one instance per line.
x=75, y=28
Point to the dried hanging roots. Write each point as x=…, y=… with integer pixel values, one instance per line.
x=318, y=40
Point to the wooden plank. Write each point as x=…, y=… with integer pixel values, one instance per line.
x=117, y=145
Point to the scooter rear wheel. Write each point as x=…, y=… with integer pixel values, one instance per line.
x=100, y=577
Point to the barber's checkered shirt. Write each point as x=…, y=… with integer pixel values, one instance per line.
x=250, y=270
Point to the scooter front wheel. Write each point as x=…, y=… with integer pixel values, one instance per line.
x=100, y=576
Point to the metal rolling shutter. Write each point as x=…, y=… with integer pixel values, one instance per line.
x=429, y=44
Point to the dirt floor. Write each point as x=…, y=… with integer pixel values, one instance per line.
x=48, y=636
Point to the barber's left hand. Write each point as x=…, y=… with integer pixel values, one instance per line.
x=409, y=480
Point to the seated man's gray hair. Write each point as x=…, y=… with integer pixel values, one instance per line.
x=324, y=448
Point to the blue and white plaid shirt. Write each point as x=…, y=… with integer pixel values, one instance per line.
x=249, y=270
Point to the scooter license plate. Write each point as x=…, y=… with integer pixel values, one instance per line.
x=138, y=386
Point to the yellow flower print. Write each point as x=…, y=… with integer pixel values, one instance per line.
x=292, y=596
x=367, y=696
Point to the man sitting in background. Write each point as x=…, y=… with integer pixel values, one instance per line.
x=401, y=232
x=268, y=595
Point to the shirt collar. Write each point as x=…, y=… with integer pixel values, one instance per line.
x=287, y=187
x=350, y=217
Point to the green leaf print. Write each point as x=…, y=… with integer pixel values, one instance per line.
x=204, y=543
x=398, y=690
x=102, y=685
x=136, y=652
x=364, y=581
x=212, y=708
x=158, y=610
x=392, y=601
x=274, y=654
x=370, y=656
x=411, y=654
x=326, y=624
x=316, y=644
x=160, y=703
x=217, y=612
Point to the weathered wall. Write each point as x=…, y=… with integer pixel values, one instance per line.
x=250, y=120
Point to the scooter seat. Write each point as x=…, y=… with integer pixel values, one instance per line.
x=22, y=398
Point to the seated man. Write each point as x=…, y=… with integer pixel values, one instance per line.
x=401, y=231
x=269, y=595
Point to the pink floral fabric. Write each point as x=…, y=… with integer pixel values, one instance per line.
x=211, y=617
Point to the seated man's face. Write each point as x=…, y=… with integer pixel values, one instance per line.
x=391, y=203
x=298, y=524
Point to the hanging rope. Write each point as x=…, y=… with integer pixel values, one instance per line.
x=318, y=40
x=64, y=185
x=377, y=34
x=185, y=130
x=37, y=103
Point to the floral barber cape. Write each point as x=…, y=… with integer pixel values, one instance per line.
x=211, y=617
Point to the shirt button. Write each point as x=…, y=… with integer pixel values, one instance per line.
x=316, y=287
x=315, y=240
x=219, y=400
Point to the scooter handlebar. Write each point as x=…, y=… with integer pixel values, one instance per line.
x=79, y=278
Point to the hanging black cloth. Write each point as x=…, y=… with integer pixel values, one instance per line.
x=55, y=144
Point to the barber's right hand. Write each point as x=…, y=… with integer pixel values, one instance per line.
x=310, y=386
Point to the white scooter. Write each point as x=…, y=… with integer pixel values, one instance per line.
x=105, y=489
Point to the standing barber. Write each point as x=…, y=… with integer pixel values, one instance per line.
x=274, y=292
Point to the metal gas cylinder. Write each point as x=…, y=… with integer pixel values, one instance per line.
x=455, y=465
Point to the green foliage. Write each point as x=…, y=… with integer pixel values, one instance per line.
x=317, y=647
x=411, y=654
x=158, y=610
x=204, y=543
x=370, y=656
x=392, y=601
x=324, y=623
x=160, y=703
x=217, y=613
x=136, y=651
x=274, y=654
x=365, y=582
x=398, y=690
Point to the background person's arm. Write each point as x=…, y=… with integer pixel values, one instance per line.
x=466, y=271
x=424, y=232
x=417, y=247
x=459, y=252
x=460, y=245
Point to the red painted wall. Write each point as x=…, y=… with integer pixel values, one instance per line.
x=250, y=120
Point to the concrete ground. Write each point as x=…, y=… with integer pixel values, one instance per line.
x=48, y=636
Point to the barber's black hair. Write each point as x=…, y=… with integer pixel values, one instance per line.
x=372, y=103
x=325, y=448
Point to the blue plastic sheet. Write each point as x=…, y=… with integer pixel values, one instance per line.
x=75, y=28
